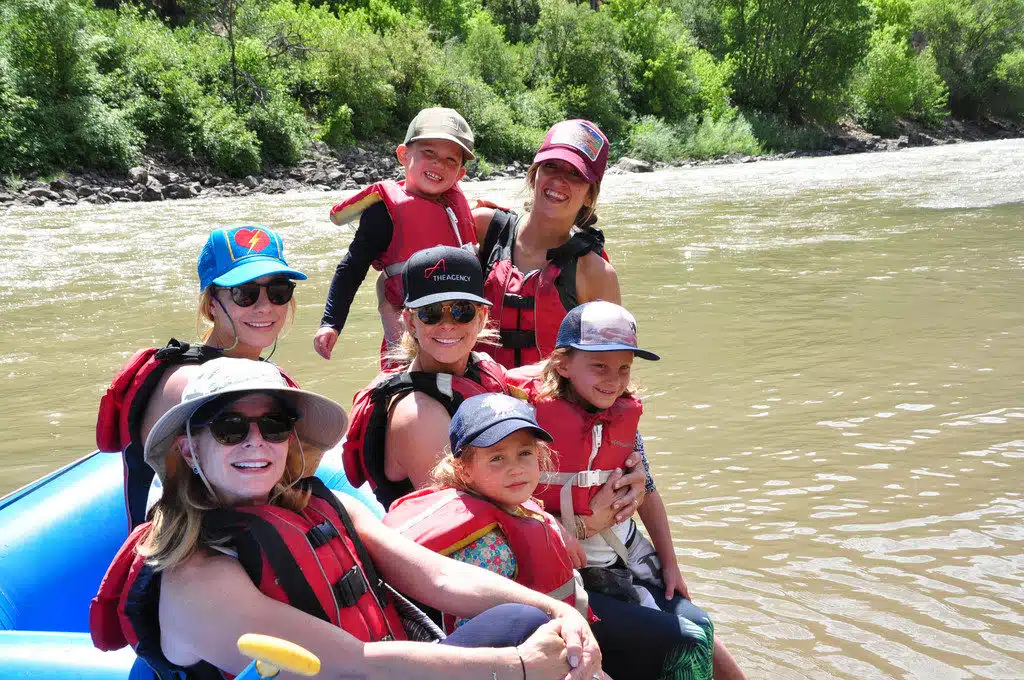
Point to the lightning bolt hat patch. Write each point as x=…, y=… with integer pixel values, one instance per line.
x=242, y=253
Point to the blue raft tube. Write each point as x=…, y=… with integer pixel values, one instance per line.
x=58, y=535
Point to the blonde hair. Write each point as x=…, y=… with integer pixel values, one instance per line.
x=587, y=214
x=176, y=529
x=405, y=351
x=450, y=472
x=206, y=322
x=554, y=385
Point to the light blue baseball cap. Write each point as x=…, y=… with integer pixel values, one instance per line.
x=242, y=253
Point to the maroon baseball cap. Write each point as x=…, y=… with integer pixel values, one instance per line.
x=579, y=143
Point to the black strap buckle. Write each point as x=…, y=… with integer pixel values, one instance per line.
x=516, y=339
x=321, y=534
x=350, y=587
x=513, y=301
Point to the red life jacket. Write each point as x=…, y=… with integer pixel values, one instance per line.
x=530, y=307
x=313, y=560
x=363, y=449
x=418, y=223
x=446, y=520
x=590, y=446
x=122, y=407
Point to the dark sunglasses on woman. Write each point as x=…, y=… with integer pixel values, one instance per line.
x=460, y=312
x=279, y=292
x=233, y=428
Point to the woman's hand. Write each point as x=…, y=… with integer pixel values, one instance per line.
x=324, y=341
x=584, y=656
x=544, y=654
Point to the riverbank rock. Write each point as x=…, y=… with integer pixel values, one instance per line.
x=138, y=175
x=627, y=164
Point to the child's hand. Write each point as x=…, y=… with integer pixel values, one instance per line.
x=577, y=555
x=324, y=341
x=674, y=582
x=484, y=203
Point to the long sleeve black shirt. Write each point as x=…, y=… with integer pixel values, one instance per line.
x=372, y=237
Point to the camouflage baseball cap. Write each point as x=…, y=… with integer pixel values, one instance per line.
x=440, y=123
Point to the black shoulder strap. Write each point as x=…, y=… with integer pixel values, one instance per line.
x=138, y=475
x=384, y=397
x=320, y=490
x=244, y=528
x=496, y=243
x=142, y=609
x=567, y=257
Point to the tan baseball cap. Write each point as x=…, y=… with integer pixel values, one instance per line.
x=441, y=123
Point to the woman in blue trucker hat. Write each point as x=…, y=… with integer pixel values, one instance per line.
x=246, y=300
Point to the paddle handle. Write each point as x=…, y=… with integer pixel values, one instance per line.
x=271, y=655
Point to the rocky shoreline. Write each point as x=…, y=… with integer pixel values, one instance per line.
x=156, y=179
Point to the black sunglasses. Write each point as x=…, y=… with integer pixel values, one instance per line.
x=233, y=428
x=461, y=312
x=279, y=292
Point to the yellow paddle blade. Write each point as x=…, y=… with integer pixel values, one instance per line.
x=272, y=651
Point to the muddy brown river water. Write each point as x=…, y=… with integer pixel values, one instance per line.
x=837, y=424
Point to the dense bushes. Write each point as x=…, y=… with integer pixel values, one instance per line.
x=894, y=82
x=248, y=84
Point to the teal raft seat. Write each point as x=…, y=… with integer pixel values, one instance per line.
x=57, y=538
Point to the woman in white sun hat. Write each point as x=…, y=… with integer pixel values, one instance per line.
x=243, y=540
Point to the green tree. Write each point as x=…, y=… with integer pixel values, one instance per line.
x=1010, y=77
x=53, y=91
x=580, y=53
x=968, y=38
x=518, y=17
x=662, y=82
x=794, y=57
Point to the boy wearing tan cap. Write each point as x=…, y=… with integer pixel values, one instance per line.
x=397, y=219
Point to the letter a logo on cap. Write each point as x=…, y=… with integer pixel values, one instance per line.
x=430, y=271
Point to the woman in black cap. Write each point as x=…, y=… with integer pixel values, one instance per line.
x=393, y=441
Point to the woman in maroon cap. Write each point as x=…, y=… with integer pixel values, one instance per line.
x=542, y=264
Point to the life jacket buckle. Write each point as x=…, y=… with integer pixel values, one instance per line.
x=350, y=587
x=588, y=478
x=321, y=534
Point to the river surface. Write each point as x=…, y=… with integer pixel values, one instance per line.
x=837, y=424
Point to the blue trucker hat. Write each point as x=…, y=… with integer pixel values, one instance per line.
x=241, y=253
x=600, y=326
x=486, y=419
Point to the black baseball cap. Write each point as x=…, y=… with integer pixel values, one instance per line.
x=440, y=274
x=485, y=419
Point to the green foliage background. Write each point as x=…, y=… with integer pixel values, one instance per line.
x=247, y=84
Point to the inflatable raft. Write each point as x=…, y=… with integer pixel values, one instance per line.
x=57, y=538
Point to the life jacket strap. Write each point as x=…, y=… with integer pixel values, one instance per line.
x=513, y=301
x=583, y=479
x=517, y=339
x=321, y=534
x=350, y=587
x=395, y=268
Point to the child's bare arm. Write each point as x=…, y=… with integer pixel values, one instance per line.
x=655, y=519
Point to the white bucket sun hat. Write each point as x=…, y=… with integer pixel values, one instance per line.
x=321, y=422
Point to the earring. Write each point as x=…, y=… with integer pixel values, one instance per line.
x=195, y=468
